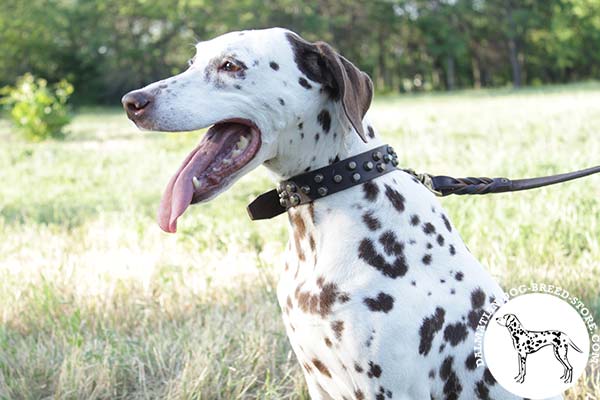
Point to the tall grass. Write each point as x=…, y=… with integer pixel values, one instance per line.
x=97, y=303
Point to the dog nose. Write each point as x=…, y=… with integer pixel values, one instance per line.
x=135, y=102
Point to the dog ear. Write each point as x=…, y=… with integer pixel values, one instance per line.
x=353, y=86
x=341, y=79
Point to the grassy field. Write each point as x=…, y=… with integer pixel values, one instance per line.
x=97, y=303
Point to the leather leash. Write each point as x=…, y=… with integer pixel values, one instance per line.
x=363, y=167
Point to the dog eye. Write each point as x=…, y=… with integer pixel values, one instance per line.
x=229, y=66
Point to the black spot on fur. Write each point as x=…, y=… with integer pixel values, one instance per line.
x=358, y=368
x=324, y=119
x=455, y=333
x=414, y=220
x=384, y=302
x=274, y=65
x=471, y=361
x=371, y=221
x=430, y=326
x=452, y=250
x=428, y=228
x=426, y=259
x=301, y=125
x=238, y=87
x=459, y=276
x=317, y=136
x=390, y=245
x=440, y=240
x=395, y=198
x=481, y=391
x=477, y=298
x=281, y=101
x=447, y=223
x=371, y=132
x=477, y=302
x=452, y=387
x=474, y=317
x=367, y=252
x=374, y=370
x=304, y=83
x=488, y=377
x=371, y=190
x=446, y=367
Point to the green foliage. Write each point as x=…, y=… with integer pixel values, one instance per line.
x=107, y=47
x=39, y=110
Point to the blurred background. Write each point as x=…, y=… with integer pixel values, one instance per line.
x=105, y=48
x=97, y=303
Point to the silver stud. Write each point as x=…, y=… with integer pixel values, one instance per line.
x=380, y=167
x=377, y=156
x=395, y=162
x=351, y=165
x=322, y=191
x=318, y=178
x=305, y=189
x=390, y=150
x=284, y=195
x=291, y=187
x=368, y=165
x=387, y=158
x=283, y=202
x=294, y=199
x=337, y=178
x=356, y=177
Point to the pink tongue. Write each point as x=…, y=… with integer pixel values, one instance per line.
x=180, y=190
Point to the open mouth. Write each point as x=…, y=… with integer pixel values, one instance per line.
x=226, y=148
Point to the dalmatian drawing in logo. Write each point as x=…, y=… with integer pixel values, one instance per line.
x=527, y=342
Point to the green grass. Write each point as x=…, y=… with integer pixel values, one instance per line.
x=97, y=303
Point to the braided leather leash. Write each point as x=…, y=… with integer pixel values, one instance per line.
x=446, y=185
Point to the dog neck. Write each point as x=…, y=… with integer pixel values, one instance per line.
x=310, y=143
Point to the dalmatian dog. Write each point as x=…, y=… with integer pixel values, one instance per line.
x=380, y=297
x=527, y=342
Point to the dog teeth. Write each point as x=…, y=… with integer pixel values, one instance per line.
x=226, y=161
x=242, y=143
x=236, y=152
x=196, y=182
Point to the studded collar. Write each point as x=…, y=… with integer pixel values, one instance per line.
x=322, y=182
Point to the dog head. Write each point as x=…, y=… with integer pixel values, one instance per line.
x=259, y=92
x=508, y=320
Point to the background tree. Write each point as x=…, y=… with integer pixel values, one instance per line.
x=106, y=47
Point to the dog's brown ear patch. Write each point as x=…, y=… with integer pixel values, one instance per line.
x=342, y=80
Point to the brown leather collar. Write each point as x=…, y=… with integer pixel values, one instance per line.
x=363, y=167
